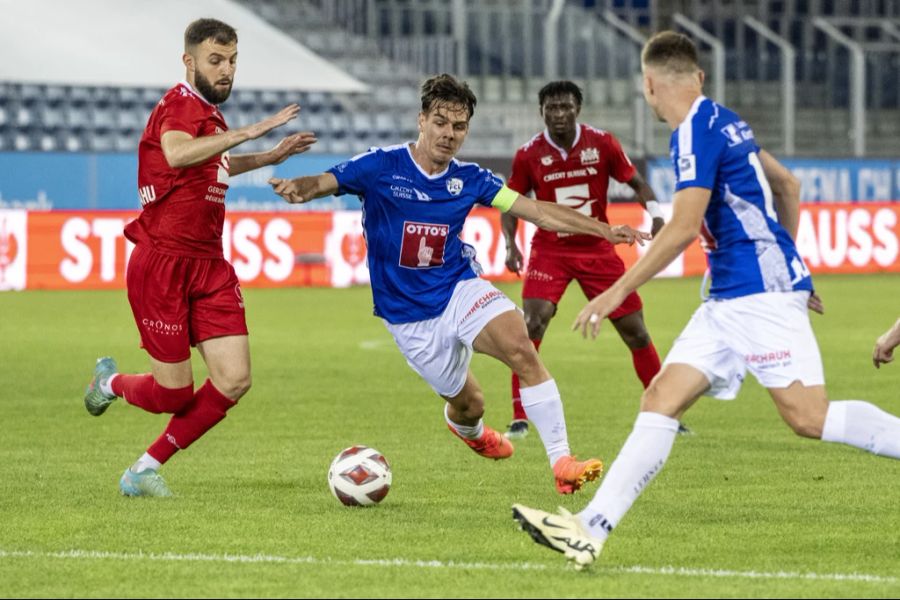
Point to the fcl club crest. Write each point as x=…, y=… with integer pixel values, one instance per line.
x=590, y=156
x=547, y=160
x=454, y=186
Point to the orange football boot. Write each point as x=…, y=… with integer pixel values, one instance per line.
x=490, y=445
x=571, y=474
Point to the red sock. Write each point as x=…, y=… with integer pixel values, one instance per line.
x=186, y=427
x=518, y=411
x=646, y=363
x=143, y=392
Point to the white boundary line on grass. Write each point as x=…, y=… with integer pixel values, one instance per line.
x=436, y=564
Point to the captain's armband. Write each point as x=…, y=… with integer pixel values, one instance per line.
x=504, y=199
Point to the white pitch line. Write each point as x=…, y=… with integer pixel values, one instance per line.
x=438, y=564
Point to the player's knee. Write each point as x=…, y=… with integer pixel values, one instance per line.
x=638, y=339
x=650, y=399
x=536, y=326
x=235, y=386
x=656, y=398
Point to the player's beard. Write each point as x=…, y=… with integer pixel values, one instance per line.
x=209, y=91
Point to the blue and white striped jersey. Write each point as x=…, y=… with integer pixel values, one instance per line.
x=412, y=222
x=748, y=250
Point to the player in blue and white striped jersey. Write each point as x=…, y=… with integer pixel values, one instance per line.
x=745, y=206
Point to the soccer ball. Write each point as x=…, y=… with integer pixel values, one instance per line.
x=359, y=476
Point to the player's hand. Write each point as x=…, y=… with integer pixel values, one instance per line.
x=596, y=310
x=658, y=223
x=815, y=304
x=288, y=113
x=287, y=189
x=297, y=143
x=883, y=353
x=625, y=234
x=514, y=260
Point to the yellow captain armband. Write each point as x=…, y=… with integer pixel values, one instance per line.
x=504, y=199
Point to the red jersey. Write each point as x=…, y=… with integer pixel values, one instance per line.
x=183, y=209
x=578, y=179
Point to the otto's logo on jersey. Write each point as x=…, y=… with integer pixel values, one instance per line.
x=687, y=167
x=547, y=160
x=454, y=186
x=590, y=156
x=423, y=245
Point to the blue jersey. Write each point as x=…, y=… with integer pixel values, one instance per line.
x=748, y=250
x=412, y=222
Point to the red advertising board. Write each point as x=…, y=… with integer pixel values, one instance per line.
x=86, y=250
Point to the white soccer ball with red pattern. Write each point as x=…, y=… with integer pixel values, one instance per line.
x=359, y=476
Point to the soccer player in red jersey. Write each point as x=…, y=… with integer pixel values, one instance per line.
x=570, y=163
x=181, y=289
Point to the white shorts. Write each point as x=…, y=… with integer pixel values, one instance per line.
x=440, y=349
x=767, y=333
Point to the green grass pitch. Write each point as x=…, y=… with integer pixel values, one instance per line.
x=743, y=508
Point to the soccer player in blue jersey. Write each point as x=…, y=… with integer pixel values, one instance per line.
x=425, y=282
x=745, y=206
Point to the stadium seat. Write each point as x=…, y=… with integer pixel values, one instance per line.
x=22, y=142
x=72, y=142
x=103, y=118
x=51, y=117
x=127, y=141
x=48, y=143
x=129, y=118
x=24, y=117
x=103, y=141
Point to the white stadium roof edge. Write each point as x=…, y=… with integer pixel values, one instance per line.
x=133, y=43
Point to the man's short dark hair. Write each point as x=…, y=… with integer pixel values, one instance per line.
x=204, y=29
x=671, y=51
x=445, y=89
x=560, y=88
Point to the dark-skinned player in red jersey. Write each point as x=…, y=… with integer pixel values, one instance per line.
x=571, y=163
x=182, y=291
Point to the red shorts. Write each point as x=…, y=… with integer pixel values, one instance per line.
x=548, y=276
x=179, y=301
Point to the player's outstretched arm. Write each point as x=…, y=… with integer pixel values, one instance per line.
x=644, y=194
x=297, y=143
x=304, y=189
x=181, y=149
x=689, y=207
x=554, y=217
x=884, y=346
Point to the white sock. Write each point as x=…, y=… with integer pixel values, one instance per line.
x=106, y=386
x=640, y=459
x=469, y=432
x=863, y=425
x=146, y=462
x=544, y=408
